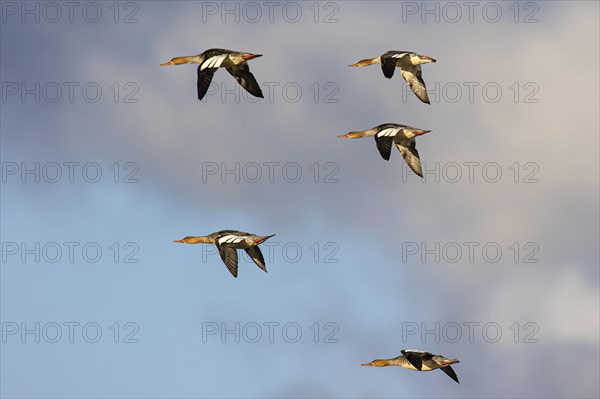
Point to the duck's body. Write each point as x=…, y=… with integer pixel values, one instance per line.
x=228, y=242
x=401, y=135
x=419, y=361
x=410, y=65
x=210, y=60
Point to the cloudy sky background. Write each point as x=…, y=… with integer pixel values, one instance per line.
x=366, y=216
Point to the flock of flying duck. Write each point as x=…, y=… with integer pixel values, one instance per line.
x=229, y=241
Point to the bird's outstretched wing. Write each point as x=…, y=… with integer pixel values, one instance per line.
x=388, y=65
x=414, y=359
x=450, y=373
x=384, y=139
x=411, y=156
x=204, y=78
x=257, y=257
x=229, y=257
x=242, y=74
x=414, y=78
x=384, y=145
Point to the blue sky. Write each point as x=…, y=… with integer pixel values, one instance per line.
x=361, y=212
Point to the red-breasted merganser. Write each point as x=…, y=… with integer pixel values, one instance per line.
x=228, y=242
x=410, y=65
x=211, y=60
x=420, y=361
x=401, y=135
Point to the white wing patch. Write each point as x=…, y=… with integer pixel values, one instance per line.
x=213, y=62
x=400, y=55
x=414, y=351
x=389, y=132
x=230, y=239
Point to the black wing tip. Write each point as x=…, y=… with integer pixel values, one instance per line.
x=261, y=267
x=255, y=91
x=417, y=171
x=424, y=98
x=383, y=149
x=233, y=273
x=385, y=158
x=449, y=371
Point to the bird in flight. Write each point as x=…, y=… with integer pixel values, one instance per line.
x=420, y=361
x=401, y=135
x=228, y=242
x=410, y=69
x=211, y=60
